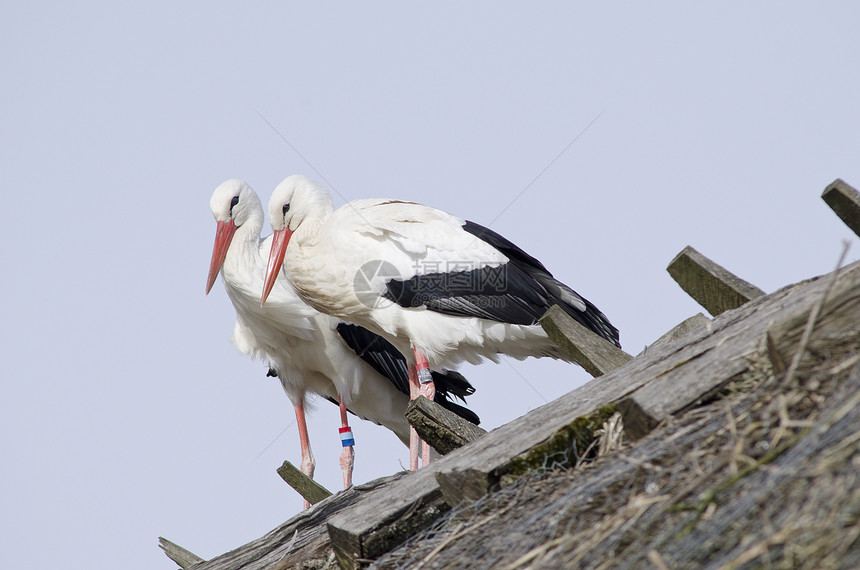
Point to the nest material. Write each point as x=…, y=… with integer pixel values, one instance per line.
x=762, y=475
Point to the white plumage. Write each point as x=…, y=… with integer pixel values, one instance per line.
x=344, y=263
x=299, y=343
x=441, y=289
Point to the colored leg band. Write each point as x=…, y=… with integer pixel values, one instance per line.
x=346, y=437
x=424, y=375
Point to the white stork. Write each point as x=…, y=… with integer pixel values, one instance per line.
x=441, y=289
x=309, y=351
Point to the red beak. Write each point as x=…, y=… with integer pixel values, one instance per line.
x=280, y=240
x=223, y=237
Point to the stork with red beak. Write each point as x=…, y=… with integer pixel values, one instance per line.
x=310, y=352
x=441, y=289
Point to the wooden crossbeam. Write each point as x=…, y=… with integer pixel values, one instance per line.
x=835, y=317
x=668, y=378
x=385, y=517
x=845, y=201
x=594, y=353
x=309, y=489
x=711, y=285
x=707, y=364
x=565, y=446
x=694, y=323
x=183, y=557
x=444, y=430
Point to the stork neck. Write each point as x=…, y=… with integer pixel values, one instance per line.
x=243, y=255
x=308, y=230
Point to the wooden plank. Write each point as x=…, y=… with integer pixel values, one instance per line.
x=682, y=329
x=645, y=408
x=568, y=444
x=387, y=512
x=703, y=493
x=183, y=557
x=470, y=472
x=444, y=430
x=310, y=490
x=838, y=317
x=845, y=201
x=302, y=541
x=686, y=373
x=594, y=353
x=528, y=441
x=712, y=286
x=637, y=421
x=390, y=515
x=386, y=517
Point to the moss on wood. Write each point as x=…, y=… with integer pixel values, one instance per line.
x=570, y=444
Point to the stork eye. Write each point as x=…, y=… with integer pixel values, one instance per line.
x=286, y=209
x=233, y=202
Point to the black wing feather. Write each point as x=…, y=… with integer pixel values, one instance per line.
x=519, y=292
x=387, y=360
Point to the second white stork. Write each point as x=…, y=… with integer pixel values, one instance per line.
x=308, y=351
x=441, y=289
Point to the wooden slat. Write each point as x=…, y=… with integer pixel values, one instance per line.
x=395, y=510
x=839, y=316
x=183, y=557
x=444, y=430
x=702, y=493
x=374, y=524
x=594, y=353
x=310, y=490
x=637, y=421
x=705, y=371
x=845, y=201
x=565, y=446
x=682, y=329
x=527, y=441
x=386, y=517
x=301, y=542
x=711, y=285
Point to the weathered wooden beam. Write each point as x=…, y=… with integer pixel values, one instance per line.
x=390, y=515
x=309, y=489
x=845, y=201
x=301, y=542
x=385, y=518
x=184, y=558
x=708, y=371
x=837, y=318
x=704, y=506
x=594, y=353
x=694, y=323
x=444, y=430
x=711, y=285
x=566, y=446
x=365, y=522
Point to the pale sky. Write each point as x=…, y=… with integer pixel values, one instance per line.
x=127, y=414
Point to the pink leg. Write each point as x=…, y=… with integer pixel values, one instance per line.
x=347, y=458
x=308, y=462
x=427, y=389
x=414, y=440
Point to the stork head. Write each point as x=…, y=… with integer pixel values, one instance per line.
x=233, y=204
x=294, y=201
